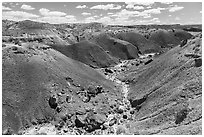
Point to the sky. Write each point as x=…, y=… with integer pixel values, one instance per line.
x=110, y=13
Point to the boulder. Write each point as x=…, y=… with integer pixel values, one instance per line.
x=53, y=102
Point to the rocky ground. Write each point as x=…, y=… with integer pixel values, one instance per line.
x=91, y=80
x=116, y=123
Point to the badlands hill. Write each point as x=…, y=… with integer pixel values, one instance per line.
x=168, y=39
x=41, y=85
x=88, y=79
x=115, y=47
x=88, y=53
x=139, y=41
x=167, y=92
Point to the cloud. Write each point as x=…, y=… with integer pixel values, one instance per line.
x=18, y=15
x=58, y=19
x=70, y=16
x=177, y=18
x=132, y=5
x=86, y=13
x=89, y=19
x=81, y=6
x=175, y=8
x=110, y=13
x=129, y=13
x=140, y=3
x=27, y=7
x=106, y=20
x=5, y=8
x=151, y=21
x=46, y=12
x=154, y=11
x=166, y=2
x=126, y=13
x=107, y=7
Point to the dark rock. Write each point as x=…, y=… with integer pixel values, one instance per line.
x=86, y=99
x=138, y=102
x=181, y=115
x=124, y=116
x=183, y=42
x=92, y=66
x=192, y=55
x=136, y=133
x=138, y=108
x=69, y=79
x=78, y=123
x=99, y=89
x=8, y=131
x=42, y=133
x=112, y=122
x=120, y=111
x=65, y=130
x=94, y=121
x=53, y=102
x=69, y=116
x=198, y=62
x=93, y=91
x=132, y=112
x=68, y=99
x=148, y=61
x=63, y=117
x=60, y=125
x=14, y=48
x=58, y=109
x=149, y=56
x=108, y=70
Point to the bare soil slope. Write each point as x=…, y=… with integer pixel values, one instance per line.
x=115, y=47
x=139, y=41
x=167, y=92
x=88, y=53
x=41, y=85
x=168, y=39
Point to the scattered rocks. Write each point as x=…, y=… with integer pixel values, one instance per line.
x=119, y=110
x=108, y=70
x=94, y=121
x=192, y=55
